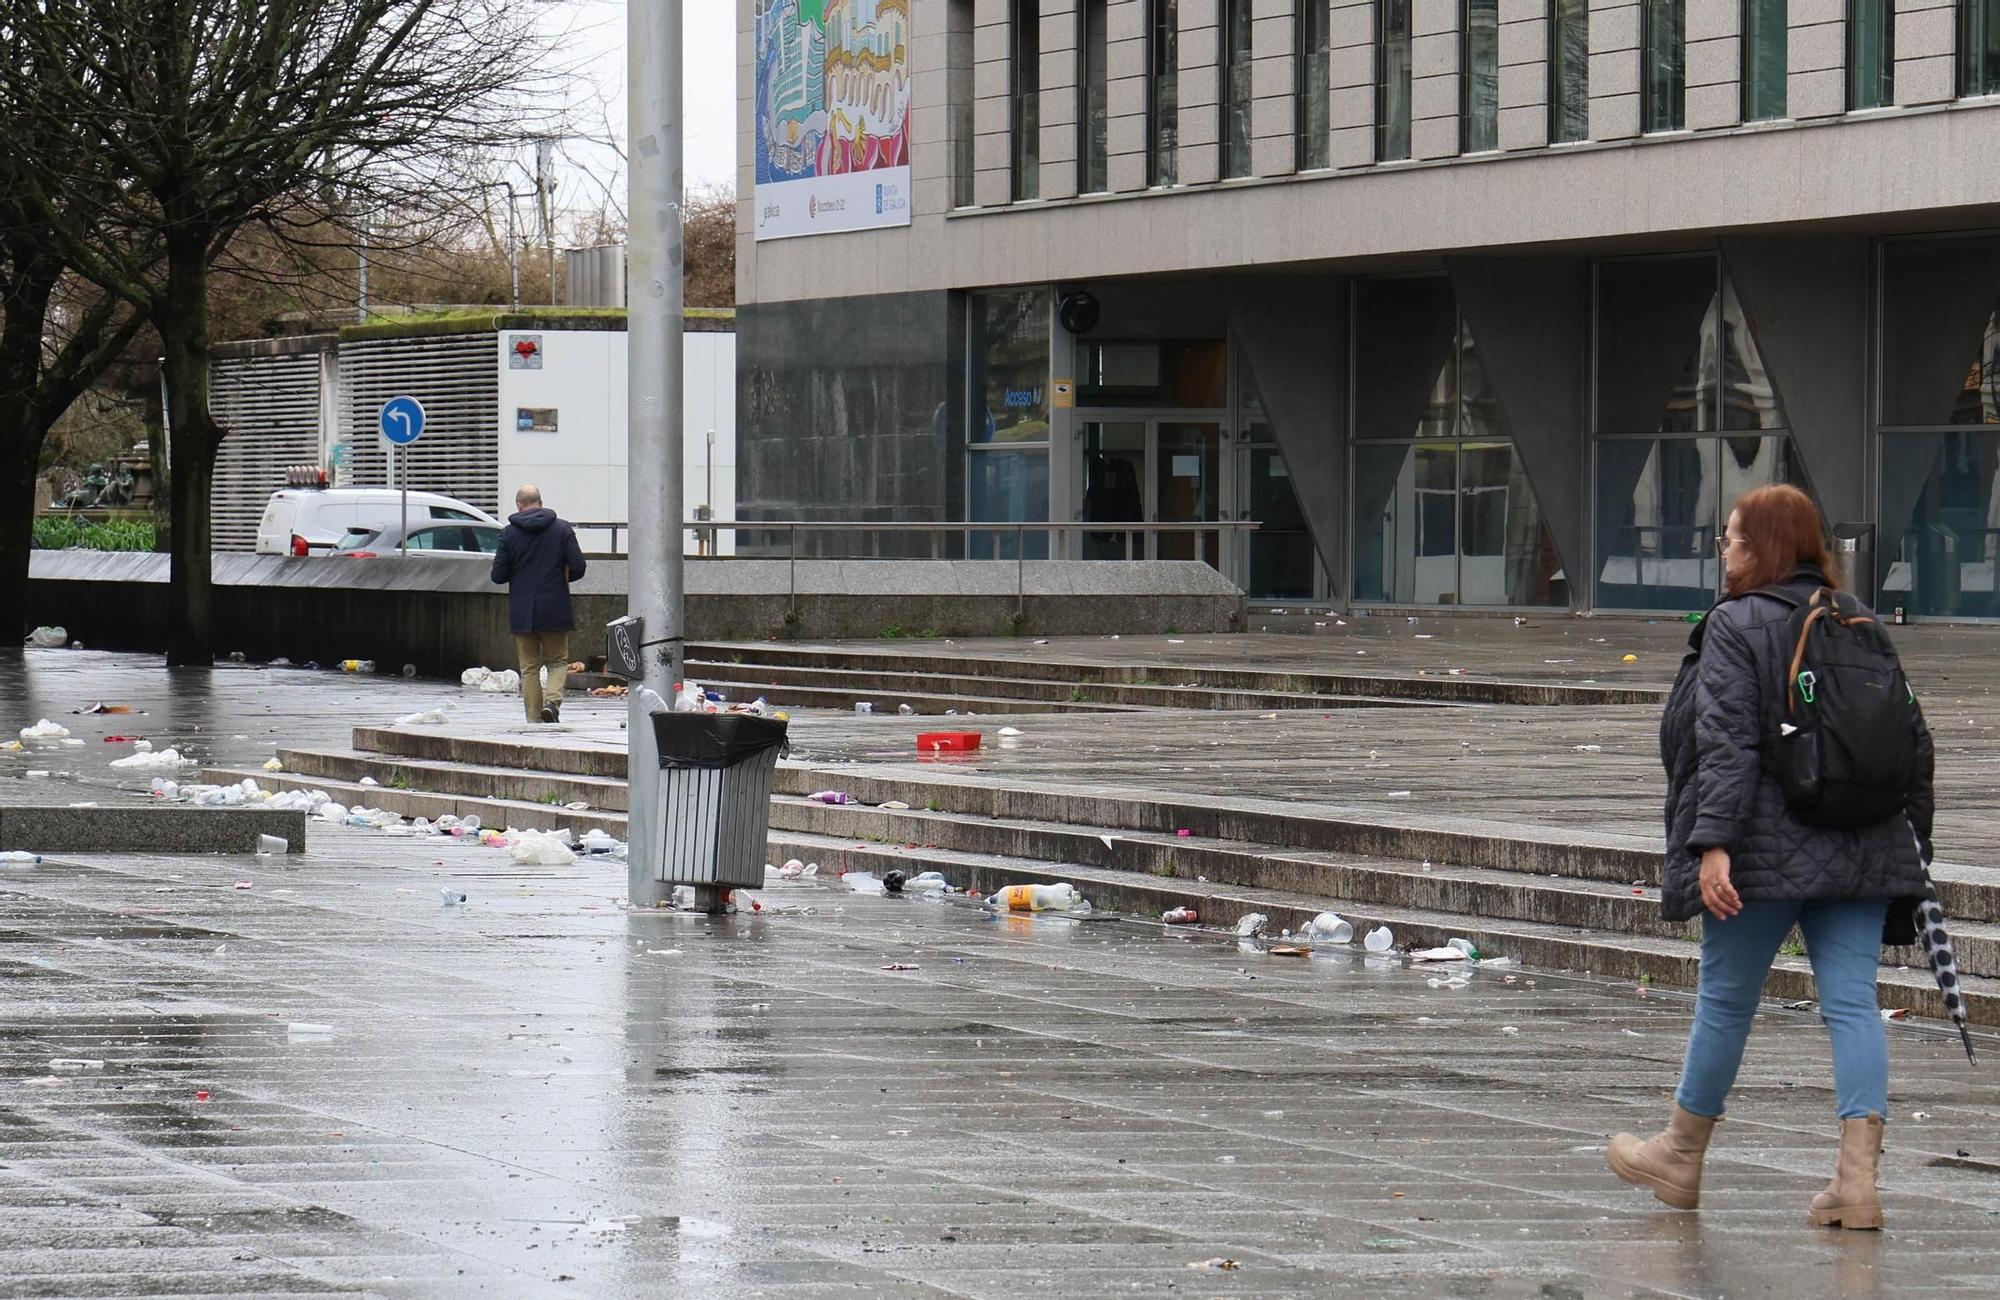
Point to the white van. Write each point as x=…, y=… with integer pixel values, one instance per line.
x=311, y=521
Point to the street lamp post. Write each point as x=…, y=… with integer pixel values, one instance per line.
x=653, y=416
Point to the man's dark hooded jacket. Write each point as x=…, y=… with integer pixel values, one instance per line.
x=1725, y=701
x=538, y=558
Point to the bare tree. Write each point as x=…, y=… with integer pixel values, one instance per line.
x=218, y=115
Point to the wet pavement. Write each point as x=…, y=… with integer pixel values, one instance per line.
x=541, y=1093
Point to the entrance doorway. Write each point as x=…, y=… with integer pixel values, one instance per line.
x=1156, y=469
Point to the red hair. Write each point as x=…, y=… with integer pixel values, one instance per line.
x=1781, y=526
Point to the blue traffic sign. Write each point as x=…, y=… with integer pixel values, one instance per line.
x=402, y=420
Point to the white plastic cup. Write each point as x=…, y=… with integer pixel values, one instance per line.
x=1380, y=939
x=273, y=844
x=1332, y=928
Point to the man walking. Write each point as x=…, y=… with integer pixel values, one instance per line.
x=538, y=559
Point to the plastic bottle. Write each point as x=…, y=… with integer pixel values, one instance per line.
x=1252, y=925
x=1464, y=946
x=1380, y=939
x=930, y=882
x=1033, y=898
x=1180, y=916
x=831, y=796
x=1329, y=928
x=864, y=882
x=26, y=859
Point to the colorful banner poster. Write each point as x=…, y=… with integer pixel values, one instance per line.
x=833, y=116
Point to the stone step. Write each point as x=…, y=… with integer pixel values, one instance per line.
x=1662, y=962
x=926, y=695
x=513, y=784
x=1619, y=908
x=1441, y=686
x=786, y=685
x=1968, y=893
x=496, y=813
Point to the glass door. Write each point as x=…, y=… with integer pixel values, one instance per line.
x=1114, y=487
x=1187, y=477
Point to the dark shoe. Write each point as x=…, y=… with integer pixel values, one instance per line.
x=549, y=713
x=556, y=710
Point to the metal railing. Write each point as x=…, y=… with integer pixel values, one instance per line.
x=970, y=533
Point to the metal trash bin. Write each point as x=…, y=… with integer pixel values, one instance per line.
x=1854, y=551
x=716, y=771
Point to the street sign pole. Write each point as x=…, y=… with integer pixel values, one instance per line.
x=402, y=422
x=655, y=499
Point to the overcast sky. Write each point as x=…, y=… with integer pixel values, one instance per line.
x=593, y=37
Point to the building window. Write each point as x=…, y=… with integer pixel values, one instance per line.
x=1311, y=89
x=1235, y=78
x=1007, y=436
x=1871, y=53
x=1392, y=80
x=1979, y=47
x=1479, y=79
x=1569, y=71
x=1092, y=176
x=958, y=93
x=1443, y=510
x=1163, y=40
x=1764, y=67
x=1664, y=106
x=1026, y=99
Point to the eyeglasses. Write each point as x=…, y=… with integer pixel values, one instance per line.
x=1723, y=541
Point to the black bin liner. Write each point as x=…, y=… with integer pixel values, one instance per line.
x=715, y=739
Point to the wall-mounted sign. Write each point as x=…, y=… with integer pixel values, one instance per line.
x=524, y=352
x=833, y=116
x=535, y=419
x=1062, y=394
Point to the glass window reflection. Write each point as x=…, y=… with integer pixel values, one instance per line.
x=1009, y=351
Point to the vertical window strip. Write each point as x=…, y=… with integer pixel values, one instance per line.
x=1479, y=76
x=1766, y=38
x=1312, y=85
x=1569, y=71
x=1392, y=79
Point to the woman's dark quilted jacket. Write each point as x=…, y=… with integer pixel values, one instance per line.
x=1725, y=700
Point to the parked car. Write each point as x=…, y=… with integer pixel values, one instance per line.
x=312, y=521
x=470, y=539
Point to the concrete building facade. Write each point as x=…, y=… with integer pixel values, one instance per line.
x=1487, y=303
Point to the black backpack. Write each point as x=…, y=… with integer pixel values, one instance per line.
x=1845, y=745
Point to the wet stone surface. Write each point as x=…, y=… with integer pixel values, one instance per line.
x=541, y=1093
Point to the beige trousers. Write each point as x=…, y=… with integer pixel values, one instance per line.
x=534, y=649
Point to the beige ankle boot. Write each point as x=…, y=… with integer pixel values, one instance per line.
x=1669, y=1163
x=1850, y=1200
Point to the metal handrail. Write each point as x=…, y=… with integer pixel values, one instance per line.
x=1130, y=530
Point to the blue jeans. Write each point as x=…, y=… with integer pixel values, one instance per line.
x=1844, y=941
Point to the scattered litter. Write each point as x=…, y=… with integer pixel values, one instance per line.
x=451, y=897
x=1180, y=916
x=1590, y=749
x=149, y=759
x=305, y=1029
x=109, y=708
x=1389, y=1243
x=1438, y=954
x=1398, y=794
x=947, y=742
x=1012, y=731
x=1920, y=1115
x=44, y=730
x=37, y=772
x=576, y=805
x=542, y=849
x=1510, y=1030
x=831, y=796
x=1380, y=939
x=273, y=765
x=1895, y=1013
x=1034, y=898
x=74, y=1063
x=863, y=706
x=1464, y=947
x=598, y=840
x=864, y=882
x=201, y=1094
x=1217, y=1265
x=502, y=682
x=1252, y=925
x=906, y=711
x=1630, y=659
x=797, y=870
x=427, y=718
x=243, y=884
x=1631, y=1033
x=273, y=844
x=900, y=965
x=1289, y=952
x=1184, y=833
x=49, y=638
x=1329, y=928
x=613, y=691
x=368, y=780
x=895, y=805
x=357, y=665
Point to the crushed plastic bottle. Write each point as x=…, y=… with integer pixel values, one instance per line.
x=451, y=897
x=16, y=857
x=1464, y=946
x=1249, y=927
x=930, y=882
x=864, y=882
x=1328, y=927
x=1033, y=898
x=1380, y=939
x=1180, y=916
x=688, y=698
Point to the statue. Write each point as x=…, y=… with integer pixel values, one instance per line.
x=91, y=492
x=123, y=484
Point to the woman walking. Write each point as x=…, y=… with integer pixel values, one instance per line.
x=1739, y=857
